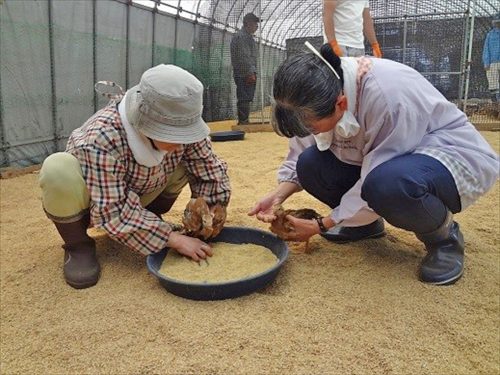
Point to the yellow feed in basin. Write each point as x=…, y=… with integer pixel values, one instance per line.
x=230, y=262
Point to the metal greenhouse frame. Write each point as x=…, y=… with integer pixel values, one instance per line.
x=52, y=52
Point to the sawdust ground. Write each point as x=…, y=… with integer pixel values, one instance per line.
x=355, y=308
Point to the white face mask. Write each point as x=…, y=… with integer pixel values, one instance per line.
x=346, y=127
x=323, y=140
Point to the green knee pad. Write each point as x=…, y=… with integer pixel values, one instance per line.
x=65, y=197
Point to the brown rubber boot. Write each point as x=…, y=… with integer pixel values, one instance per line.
x=81, y=268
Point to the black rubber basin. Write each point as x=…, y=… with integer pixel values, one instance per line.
x=235, y=135
x=229, y=289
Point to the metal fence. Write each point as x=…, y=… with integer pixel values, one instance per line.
x=52, y=52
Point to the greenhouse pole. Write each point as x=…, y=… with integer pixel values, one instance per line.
x=405, y=34
x=261, y=67
x=153, y=37
x=461, y=84
x=177, y=15
x=469, y=53
x=3, y=144
x=53, y=76
x=94, y=49
x=127, y=45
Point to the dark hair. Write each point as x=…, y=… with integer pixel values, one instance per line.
x=250, y=17
x=305, y=88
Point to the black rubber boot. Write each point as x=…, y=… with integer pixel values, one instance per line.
x=161, y=204
x=444, y=262
x=351, y=234
x=81, y=268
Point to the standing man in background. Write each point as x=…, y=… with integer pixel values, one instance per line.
x=244, y=60
x=345, y=22
x=491, y=59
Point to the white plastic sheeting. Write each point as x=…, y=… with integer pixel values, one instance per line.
x=52, y=52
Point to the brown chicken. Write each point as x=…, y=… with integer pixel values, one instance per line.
x=219, y=219
x=282, y=227
x=199, y=222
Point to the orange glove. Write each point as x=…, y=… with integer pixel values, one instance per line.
x=376, y=50
x=336, y=48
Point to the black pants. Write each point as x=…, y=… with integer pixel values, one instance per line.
x=244, y=94
x=413, y=192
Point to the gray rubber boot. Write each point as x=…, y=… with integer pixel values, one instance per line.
x=81, y=268
x=444, y=262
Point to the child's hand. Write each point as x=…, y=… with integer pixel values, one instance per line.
x=191, y=247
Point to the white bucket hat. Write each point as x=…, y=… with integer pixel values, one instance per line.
x=166, y=106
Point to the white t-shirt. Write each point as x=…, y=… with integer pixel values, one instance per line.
x=348, y=22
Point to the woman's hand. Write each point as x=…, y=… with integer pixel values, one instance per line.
x=191, y=247
x=264, y=209
x=303, y=229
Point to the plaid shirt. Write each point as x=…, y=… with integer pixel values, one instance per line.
x=115, y=180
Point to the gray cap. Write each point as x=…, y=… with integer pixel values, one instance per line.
x=167, y=105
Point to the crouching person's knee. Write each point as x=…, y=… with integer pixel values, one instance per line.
x=64, y=192
x=376, y=191
x=388, y=192
x=307, y=167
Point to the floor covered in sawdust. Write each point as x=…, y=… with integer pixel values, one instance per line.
x=340, y=309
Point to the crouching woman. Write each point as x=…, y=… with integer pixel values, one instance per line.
x=375, y=141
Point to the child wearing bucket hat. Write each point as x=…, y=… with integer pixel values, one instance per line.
x=125, y=167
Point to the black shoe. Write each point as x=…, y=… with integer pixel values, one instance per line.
x=244, y=122
x=350, y=234
x=444, y=262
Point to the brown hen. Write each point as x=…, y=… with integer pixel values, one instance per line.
x=282, y=227
x=219, y=218
x=199, y=222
